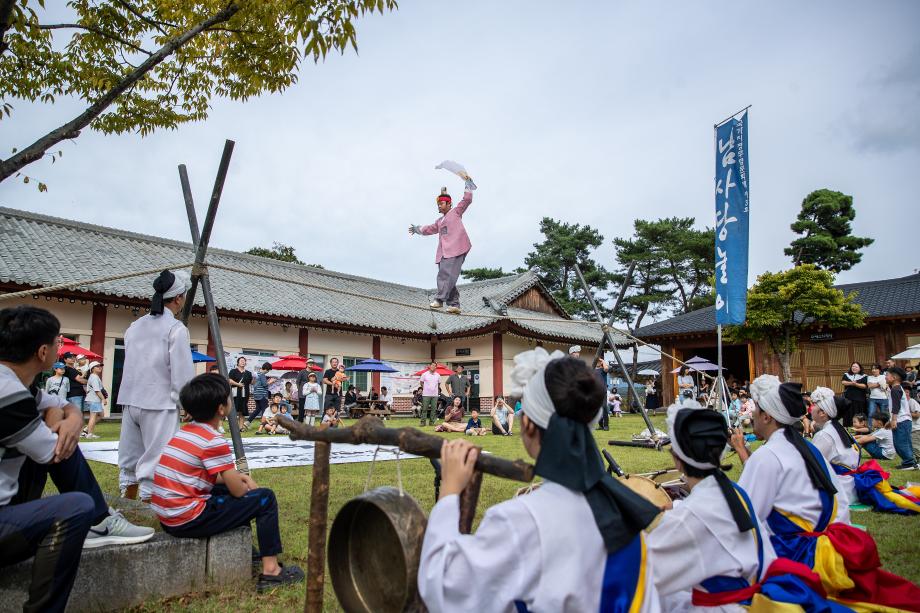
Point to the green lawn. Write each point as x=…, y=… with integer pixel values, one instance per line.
x=897, y=536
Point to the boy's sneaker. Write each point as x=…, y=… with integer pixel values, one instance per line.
x=453, y=309
x=91, y=435
x=116, y=530
x=436, y=304
x=289, y=574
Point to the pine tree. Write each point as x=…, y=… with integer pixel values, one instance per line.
x=826, y=236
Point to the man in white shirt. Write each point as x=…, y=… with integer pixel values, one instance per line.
x=158, y=362
x=901, y=423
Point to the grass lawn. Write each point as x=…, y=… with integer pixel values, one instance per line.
x=898, y=537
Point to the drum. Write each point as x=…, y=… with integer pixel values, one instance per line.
x=647, y=488
x=374, y=549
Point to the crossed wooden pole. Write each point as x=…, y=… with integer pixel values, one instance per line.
x=200, y=277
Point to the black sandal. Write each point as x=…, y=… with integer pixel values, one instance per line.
x=288, y=575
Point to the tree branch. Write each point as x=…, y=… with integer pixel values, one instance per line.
x=72, y=128
x=152, y=22
x=95, y=30
x=6, y=14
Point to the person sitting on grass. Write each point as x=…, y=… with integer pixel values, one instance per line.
x=453, y=417
x=279, y=429
x=197, y=491
x=860, y=424
x=278, y=398
x=617, y=406
x=268, y=425
x=332, y=419
x=879, y=444
x=502, y=418
x=474, y=425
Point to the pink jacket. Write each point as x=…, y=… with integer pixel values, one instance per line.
x=452, y=237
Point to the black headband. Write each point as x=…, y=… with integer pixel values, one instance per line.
x=161, y=285
x=791, y=396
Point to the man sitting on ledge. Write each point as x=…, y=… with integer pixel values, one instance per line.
x=38, y=437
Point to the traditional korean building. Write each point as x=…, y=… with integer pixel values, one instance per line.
x=269, y=308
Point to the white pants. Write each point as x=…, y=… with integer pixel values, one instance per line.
x=144, y=434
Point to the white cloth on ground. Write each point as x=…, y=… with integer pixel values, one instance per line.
x=542, y=548
x=144, y=435
x=699, y=539
x=775, y=476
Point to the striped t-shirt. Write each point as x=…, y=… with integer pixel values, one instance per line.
x=187, y=471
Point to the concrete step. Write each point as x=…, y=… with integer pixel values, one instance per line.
x=115, y=577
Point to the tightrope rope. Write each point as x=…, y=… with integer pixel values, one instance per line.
x=72, y=284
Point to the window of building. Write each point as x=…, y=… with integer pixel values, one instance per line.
x=358, y=379
x=261, y=353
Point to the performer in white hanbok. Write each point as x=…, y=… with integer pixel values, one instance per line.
x=574, y=544
x=711, y=541
x=157, y=364
x=833, y=440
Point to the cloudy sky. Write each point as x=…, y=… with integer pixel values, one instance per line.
x=590, y=112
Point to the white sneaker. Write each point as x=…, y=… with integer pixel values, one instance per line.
x=90, y=435
x=116, y=530
x=453, y=309
x=436, y=304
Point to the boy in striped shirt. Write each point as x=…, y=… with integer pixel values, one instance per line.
x=197, y=491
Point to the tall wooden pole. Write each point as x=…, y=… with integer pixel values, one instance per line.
x=319, y=514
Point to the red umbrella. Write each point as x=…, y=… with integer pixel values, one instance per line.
x=74, y=348
x=292, y=362
x=441, y=370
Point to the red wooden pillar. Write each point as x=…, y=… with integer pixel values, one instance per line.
x=303, y=342
x=434, y=343
x=375, y=350
x=497, y=363
x=97, y=340
x=211, y=349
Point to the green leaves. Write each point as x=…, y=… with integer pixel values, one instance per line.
x=279, y=251
x=482, y=274
x=826, y=238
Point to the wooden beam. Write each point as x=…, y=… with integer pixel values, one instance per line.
x=97, y=340
x=303, y=342
x=497, y=365
x=375, y=351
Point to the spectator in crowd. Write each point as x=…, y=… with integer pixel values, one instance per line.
x=260, y=391
x=351, y=400
x=889, y=364
x=600, y=371
x=911, y=380
x=157, y=365
x=279, y=429
x=57, y=384
x=240, y=382
x=385, y=398
x=901, y=422
x=39, y=433
x=199, y=455
x=431, y=389
x=502, y=418
x=278, y=398
x=289, y=394
x=617, y=403
x=268, y=424
x=474, y=425
x=331, y=397
x=808, y=428
x=746, y=415
x=860, y=424
x=82, y=365
x=915, y=430
x=417, y=401
x=685, y=385
x=373, y=395
x=879, y=444
x=75, y=380
x=651, y=395
x=310, y=395
x=453, y=417
x=734, y=408
x=878, y=391
x=332, y=419
x=95, y=399
x=458, y=384
x=302, y=378
x=855, y=383
x=214, y=368
x=575, y=351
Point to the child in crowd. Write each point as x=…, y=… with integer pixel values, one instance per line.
x=57, y=384
x=332, y=419
x=95, y=399
x=879, y=444
x=197, y=491
x=474, y=425
x=278, y=398
x=279, y=429
x=269, y=425
x=860, y=424
x=808, y=427
x=311, y=393
x=339, y=379
x=617, y=406
x=747, y=409
x=502, y=418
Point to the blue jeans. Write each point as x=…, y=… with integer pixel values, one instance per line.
x=876, y=404
x=874, y=450
x=261, y=405
x=902, y=444
x=76, y=401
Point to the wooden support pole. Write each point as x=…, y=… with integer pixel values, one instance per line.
x=319, y=512
x=469, y=498
x=371, y=430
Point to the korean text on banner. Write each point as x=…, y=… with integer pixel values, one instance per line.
x=732, y=212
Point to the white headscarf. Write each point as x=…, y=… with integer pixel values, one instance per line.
x=181, y=284
x=528, y=382
x=675, y=445
x=823, y=397
x=765, y=392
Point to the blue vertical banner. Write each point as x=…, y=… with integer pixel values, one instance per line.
x=732, y=213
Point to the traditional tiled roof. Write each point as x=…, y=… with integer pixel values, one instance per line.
x=898, y=297
x=39, y=250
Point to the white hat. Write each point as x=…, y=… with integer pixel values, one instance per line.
x=182, y=283
x=92, y=365
x=778, y=399
x=574, y=349
x=823, y=397
x=528, y=382
x=80, y=356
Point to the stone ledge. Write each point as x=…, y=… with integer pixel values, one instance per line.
x=115, y=577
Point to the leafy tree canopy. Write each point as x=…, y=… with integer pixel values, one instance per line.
x=781, y=306
x=554, y=261
x=483, y=274
x=279, y=251
x=143, y=65
x=825, y=236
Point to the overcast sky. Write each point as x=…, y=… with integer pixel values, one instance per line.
x=588, y=112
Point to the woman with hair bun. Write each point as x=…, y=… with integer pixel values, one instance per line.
x=574, y=544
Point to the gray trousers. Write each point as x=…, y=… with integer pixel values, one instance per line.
x=144, y=434
x=448, y=273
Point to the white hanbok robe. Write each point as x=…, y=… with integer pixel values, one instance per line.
x=542, y=548
x=698, y=539
x=835, y=451
x=775, y=477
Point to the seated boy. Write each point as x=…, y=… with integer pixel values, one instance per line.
x=860, y=424
x=879, y=444
x=268, y=424
x=474, y=425
x=198, y=492
x=331, y=418
x=278, y=398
